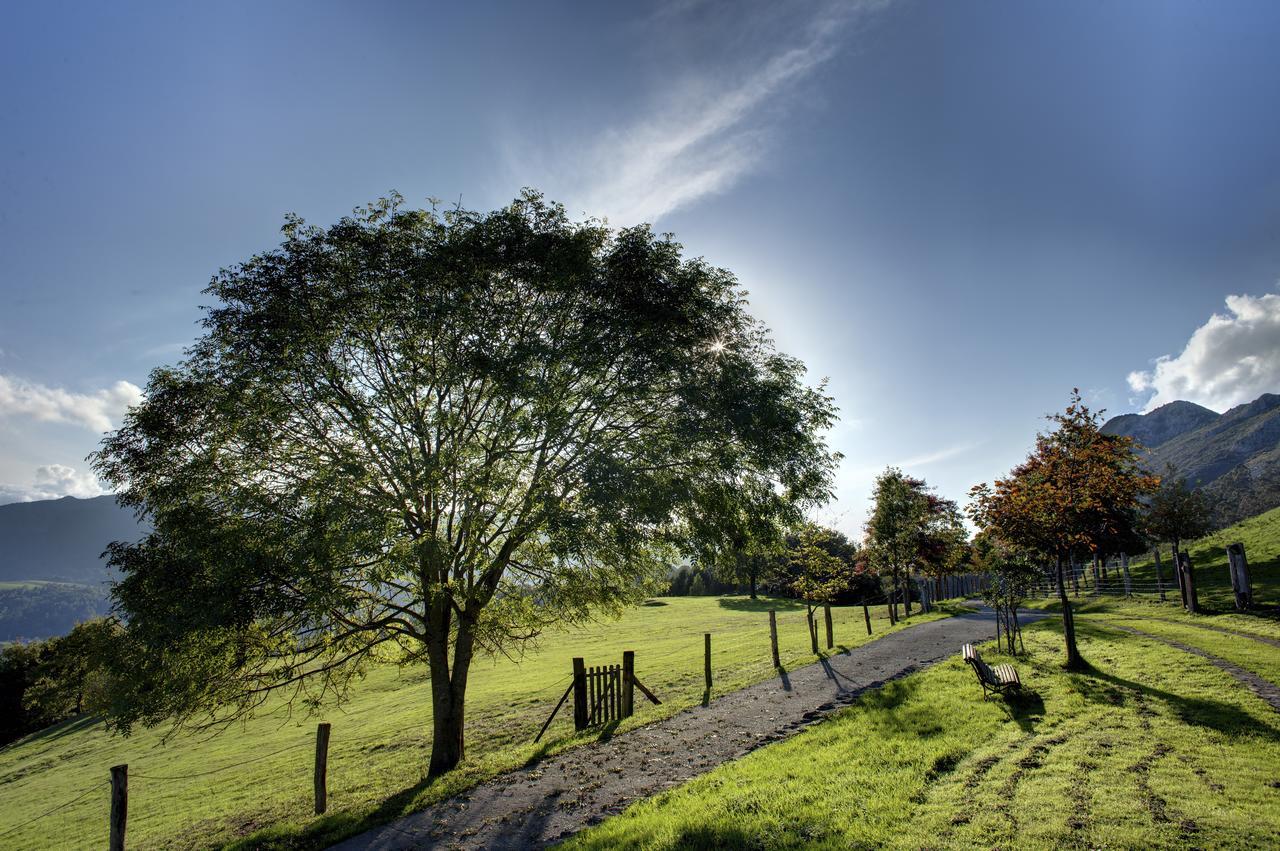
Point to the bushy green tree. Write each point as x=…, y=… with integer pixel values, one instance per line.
x=1175, y=513
x=429, y=435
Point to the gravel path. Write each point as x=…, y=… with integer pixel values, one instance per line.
x=558, y=796
x=1264, y=689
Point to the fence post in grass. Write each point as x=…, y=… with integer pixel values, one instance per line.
x=628, y=682
x=826, y=613
x=1239, y=569
x=1155, y=552
x=119, y=806
x=322, y=768
x=579, y=694
x=773, y=637
x=1124, y=568
x=706, y=658
x=866, y=614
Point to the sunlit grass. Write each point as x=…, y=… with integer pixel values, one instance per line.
x=381, y=739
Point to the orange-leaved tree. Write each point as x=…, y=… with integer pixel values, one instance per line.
x=1077, y=487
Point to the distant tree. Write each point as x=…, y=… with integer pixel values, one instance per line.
x=680, y=582
x=1072, y=491
x=18, y=664
x=943, y=544
x=901, y=515
x=1175, y=513
x=430, y=436
x=71, y=676
x=820, y=575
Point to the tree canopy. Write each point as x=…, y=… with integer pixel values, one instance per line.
x=424, y=435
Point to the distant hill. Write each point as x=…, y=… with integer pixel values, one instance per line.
x=61, y=540
x=1234, y=456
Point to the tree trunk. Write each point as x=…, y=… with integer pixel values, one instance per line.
x=448, y=693
x=1074, y=661
x=752, y=577
x=906, y=593
x=1178, y=572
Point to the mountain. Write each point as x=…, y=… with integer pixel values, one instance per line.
x=1234, y=456
x=1163, y=424
x=61, y=540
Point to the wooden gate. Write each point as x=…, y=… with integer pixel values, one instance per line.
x=601, y=694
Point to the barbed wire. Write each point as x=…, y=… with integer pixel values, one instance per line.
x=17, y=827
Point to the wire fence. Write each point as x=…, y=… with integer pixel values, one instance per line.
x=675, y=668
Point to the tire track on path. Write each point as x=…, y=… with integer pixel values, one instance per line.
x=556, y=797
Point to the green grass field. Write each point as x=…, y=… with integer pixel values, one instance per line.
x=1154, y=748
x=258, y=790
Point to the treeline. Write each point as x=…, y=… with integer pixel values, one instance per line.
x=780, y=571
x=44, y=609
x=45, y=682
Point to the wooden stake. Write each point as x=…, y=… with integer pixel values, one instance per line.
x=866, y=614
x=628, y=682
x=322, y=768
x=826, y=613
x=579, y=694
x=706, y=662
x=773, y=637
x=119, y=806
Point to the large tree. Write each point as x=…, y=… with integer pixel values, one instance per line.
x=1077, y=489
x=421, y=436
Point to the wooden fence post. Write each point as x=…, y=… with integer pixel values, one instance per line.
x=322, y=768
x=706, y=661
x=579, y=694
x=773, y=637
x=119, y=805
x=1124, y=568
x=866, y=613
x=1238, y=566
x=628, y=682
x=826, y=613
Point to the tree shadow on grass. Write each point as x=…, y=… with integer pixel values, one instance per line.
x=762, y=605
x=57, y=731
x=1101, y=687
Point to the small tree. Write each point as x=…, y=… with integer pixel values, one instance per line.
x=1075, y=488
x=1010, y=576
x=820, y=575
x=1177, y=513
x=424, y=437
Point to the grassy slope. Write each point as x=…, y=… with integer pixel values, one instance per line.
x=1153, y=749
x=1261, y=538
x=381, y=738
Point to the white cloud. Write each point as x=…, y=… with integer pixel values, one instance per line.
x=54, y=481
x=700, y=138
x=94, y=411
x=934, y=457
x=1231, y=359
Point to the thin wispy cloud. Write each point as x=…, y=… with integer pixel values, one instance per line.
x=702, y=136
x=934, y=457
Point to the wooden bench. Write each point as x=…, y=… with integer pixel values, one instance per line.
x=1000, y=679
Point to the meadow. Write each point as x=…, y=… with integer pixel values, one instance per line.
x=251, y=783
x=1150, y=748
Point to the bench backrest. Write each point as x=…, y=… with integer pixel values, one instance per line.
x=974, y=658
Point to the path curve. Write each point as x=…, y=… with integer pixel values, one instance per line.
x=548, y=801
x=1264, y=689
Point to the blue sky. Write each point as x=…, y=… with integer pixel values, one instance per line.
x=955, y=211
